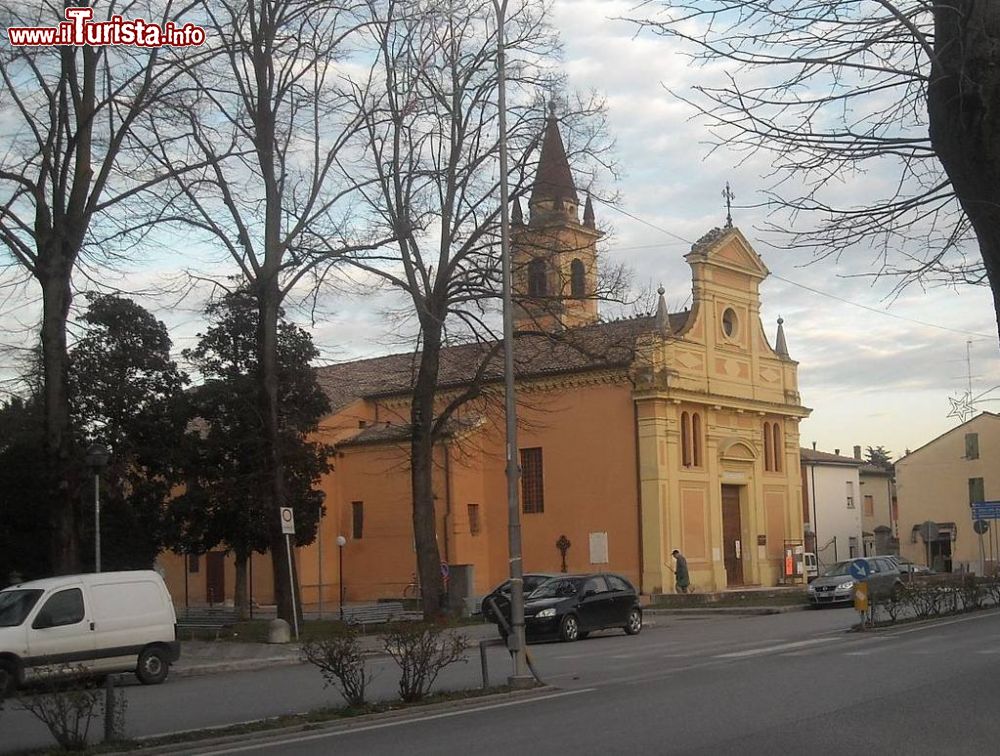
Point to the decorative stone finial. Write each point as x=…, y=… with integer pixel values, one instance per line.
x=662, y=316
x=780, y=346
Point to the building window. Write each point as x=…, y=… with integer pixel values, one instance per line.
x=473, y=519
x=730, y=324
x=194, y=563
x=776, y=431
x=696, y=437
x=532, y=497
x=869, y=505
x=850, y=494
x=977, y=491
x=852, y=545
x=357, y=519
x=972, y=446
x=686, y=455
x=577, y=279
x=536, y=279
x=768, y=448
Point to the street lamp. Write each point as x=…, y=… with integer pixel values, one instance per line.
x=97, y=460
x=341, y=542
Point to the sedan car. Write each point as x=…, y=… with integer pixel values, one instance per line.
x=570, y=607
x=836, y=585
x=500, y=596
x=909, y=569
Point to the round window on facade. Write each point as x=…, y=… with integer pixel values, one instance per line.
x=729, y=323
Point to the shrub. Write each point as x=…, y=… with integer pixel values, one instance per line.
x=342, y=664
x=66, y=708
x=422, y=650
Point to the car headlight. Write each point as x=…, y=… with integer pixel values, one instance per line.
x=846, y=586
x=811, y=589
x=550, y=612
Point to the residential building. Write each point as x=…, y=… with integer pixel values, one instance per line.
x=831, y=507
x=937, y=483
x=879, y=526
x=637, y=436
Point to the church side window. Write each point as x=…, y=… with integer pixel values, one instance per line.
x=536, y=279
x=768, y=448
x=532, y=489
x=776, y=430
x=696, y=438
x=578, y=281
x=686, y=451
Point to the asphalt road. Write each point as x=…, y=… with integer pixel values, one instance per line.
x=721, y=685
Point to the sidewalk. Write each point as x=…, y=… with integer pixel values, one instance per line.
x=200, y=657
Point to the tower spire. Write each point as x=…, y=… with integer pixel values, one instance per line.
x=662, y=316
x=554, y=180
x=780, y=347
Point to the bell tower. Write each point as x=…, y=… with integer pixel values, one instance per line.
x=554, y=255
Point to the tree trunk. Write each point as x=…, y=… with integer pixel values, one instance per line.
x=54, y=272
x=963, y=105
x=422, y=475
x=267, y=372
x=240, y=598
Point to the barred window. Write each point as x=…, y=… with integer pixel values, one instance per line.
x=578, y=279
x=532, y=496
x=474, y=524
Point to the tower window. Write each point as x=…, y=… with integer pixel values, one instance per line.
x=729, y=323
x=536, y=279
x=578, y=281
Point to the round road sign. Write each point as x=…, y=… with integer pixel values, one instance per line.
x=860, y=569
x=981, y=526
x=929, y=530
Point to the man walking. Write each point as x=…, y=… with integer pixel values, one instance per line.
x=681, y=572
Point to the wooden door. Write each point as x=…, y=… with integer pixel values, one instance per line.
x=732, y=535
x=215, y=577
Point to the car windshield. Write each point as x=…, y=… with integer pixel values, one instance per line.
x=558, y=587
x=15, y=605
x=840, y=568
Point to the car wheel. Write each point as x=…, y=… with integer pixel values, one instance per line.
x=8, y=679
x=153, y=666
x=633, y=625
x=569, y=628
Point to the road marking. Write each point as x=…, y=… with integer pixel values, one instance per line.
x=384, y=725
x=771, y=649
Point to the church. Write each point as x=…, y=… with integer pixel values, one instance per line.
x=636, y=436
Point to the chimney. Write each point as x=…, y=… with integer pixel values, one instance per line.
x=837, y=452
x=857, y=452
x=814, y=446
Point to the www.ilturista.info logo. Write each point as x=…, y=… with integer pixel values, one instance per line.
x=79, y=29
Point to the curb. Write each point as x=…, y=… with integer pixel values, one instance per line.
x=737, y=611
x=199, y=745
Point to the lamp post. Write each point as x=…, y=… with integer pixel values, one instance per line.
x=341, y=542
x=97, y=460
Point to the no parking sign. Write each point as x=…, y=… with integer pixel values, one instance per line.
x=287, y=521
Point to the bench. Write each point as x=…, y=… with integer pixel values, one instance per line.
x=207, y=619
x=373, y=614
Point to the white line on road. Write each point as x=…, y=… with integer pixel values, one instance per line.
x=771, y=649
x=397, y=723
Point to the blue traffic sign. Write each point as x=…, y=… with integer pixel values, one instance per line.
x=860, y=569
x=986, y=510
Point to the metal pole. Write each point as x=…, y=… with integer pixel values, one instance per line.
x=319, y=559
x=515, y=641
x=341, y=570
x=97, y=521
x=291, y=585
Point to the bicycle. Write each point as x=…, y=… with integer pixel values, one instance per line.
x=412, y=589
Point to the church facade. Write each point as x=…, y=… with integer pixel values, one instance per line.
x=636, y=436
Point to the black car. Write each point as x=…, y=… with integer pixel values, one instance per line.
x=501, y=594
x=569, y=607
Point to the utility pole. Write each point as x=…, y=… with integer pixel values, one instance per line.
x=515, y=640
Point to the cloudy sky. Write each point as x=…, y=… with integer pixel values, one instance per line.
x=877, y=369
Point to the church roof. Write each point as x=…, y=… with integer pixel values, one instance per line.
x=575, y=350
x=554, y=180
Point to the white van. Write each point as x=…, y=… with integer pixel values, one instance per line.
x=811, y=566
x=103, y=622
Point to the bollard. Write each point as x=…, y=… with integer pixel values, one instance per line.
x=482, y=661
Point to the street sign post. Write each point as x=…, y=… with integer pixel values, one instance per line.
x=287, y=515
x=860, y=570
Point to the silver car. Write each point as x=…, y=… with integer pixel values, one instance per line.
x=836, y=585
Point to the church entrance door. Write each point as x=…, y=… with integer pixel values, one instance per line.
x=732, y=533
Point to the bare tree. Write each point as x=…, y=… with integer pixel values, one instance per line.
x=834, y=89
x=432, y=137
x=267, y=117
x=69, y=184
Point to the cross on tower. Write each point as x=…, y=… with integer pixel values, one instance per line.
x=728, y=195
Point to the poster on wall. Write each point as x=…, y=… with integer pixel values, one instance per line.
x=598, y=548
